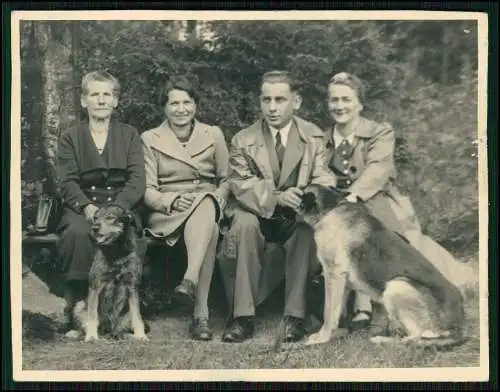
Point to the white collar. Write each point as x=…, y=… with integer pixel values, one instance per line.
x=285, y=131
x=338, y=138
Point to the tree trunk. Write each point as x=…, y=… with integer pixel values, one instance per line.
x=59, y=109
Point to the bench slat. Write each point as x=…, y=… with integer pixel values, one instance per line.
x=52, y=239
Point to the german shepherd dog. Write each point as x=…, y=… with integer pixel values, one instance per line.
x=112, y=304
x=357, y=251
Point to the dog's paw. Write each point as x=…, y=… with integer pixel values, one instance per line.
x=430, y=335
x=316, y=338
x=91, y=337
x=381, y=339
x=322, y=337
x=140, y=336
x=73, y=334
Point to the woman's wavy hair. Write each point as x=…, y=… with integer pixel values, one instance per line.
x=178, y=82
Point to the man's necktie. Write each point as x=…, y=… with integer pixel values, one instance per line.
x=280, y=149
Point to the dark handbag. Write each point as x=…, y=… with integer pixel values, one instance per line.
x=48, y=214
x=280, y=226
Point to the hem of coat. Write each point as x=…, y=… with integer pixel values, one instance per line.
x=174, y=235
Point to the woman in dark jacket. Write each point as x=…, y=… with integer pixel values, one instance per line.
x=99, y=161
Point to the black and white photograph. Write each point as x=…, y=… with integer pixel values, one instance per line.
x=249, y=196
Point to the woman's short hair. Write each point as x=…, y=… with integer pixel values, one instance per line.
x=350, y=80
x=178, y=82
x=278, y=76
x=100, y=76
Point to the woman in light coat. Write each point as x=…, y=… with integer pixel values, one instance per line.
x=186, y=167
x=361, y=154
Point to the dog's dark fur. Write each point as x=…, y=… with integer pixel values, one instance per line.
x=356, y=250
x=113, y=301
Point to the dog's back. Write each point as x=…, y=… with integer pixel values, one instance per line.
x=378, y=254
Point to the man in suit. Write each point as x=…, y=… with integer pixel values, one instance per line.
x=270, y=163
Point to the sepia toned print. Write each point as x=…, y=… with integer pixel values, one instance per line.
x=216, y=301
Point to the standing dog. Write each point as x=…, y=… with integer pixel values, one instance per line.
x=115, y=275
x=356, y=250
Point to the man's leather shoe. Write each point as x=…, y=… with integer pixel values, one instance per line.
x=239, y=330
x=294, y=329
x=200, y=329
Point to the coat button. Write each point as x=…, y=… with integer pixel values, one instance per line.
x=348, y=182
x=94, y=198
x=345, y=161
x=346, y=171
x=109, y=199
x=108, y=188
x=92, y=187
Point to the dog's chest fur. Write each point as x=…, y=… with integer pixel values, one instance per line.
x=336, y=235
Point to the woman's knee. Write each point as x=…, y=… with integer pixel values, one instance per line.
x=205, y=210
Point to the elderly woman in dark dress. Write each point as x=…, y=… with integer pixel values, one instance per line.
x=99, y=161
x=186, y=169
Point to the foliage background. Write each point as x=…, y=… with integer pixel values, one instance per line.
x=421, y=76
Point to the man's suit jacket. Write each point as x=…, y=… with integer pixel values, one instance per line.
x=252, y=168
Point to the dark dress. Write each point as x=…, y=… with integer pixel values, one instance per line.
x=85, y=176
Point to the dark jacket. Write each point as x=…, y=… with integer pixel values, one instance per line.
x=85, y=176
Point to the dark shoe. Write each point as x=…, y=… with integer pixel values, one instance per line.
x=239, y=330
x=361, y=324
x=200, y=330
x=185, y=292
x=294, y=329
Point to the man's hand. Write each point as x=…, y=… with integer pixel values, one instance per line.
x=89, y=211
x=183, y=202
x=290, y=198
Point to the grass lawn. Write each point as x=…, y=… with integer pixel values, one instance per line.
x=170, y=347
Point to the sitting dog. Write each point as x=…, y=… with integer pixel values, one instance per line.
x=115, y=275
x=357, y=251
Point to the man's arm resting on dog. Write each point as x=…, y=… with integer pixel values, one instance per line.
x=255, y=194
x=67, y=174
x=379, y=164
x=136, y=183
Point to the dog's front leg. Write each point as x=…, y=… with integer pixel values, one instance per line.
x=135, y=315
x=92, y=314
x=335, y=285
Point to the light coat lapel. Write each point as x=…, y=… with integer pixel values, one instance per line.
x=259, y=153
x=294, y=152
x=167, y=143
x=365, y=130
x=200, y=140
